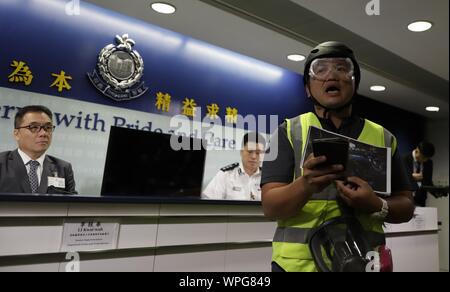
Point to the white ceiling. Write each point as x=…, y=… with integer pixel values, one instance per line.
x=389, y=29
x=237, y=28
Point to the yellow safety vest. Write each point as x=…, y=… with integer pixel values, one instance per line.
x=290, y=246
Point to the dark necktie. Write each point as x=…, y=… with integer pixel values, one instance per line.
x=416, y=167
x=32, y=175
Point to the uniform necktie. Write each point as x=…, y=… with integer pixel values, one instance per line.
x=32, y=175
x=416, y=167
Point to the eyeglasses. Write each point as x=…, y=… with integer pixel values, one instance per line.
x=36, y=128
x=321, y=68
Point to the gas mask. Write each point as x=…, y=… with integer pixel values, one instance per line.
x=339, y=245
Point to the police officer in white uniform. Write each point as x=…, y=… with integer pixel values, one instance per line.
x=240, y=181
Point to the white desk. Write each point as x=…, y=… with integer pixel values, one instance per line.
x=152, y=237
x=415, y=244
x=158, y=236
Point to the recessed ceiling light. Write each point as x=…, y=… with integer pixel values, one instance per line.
x=432, y=108
x=163, y=8
x=378, y=88
x=296, y=57
x=419, y=26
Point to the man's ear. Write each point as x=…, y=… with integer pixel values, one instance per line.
x=16, y=134
x=308, y=92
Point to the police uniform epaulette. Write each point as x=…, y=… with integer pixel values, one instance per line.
x=230, y=167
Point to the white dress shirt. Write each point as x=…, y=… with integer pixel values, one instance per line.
x=26, y=159
x=233, y=183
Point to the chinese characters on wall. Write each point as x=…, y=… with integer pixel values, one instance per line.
x=21, y=73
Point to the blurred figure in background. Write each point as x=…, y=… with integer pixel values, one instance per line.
x=420, y=167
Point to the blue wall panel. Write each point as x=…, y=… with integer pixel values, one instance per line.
x=48, y=40
x=41, y=34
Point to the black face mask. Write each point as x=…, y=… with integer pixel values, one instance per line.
x=339, y=245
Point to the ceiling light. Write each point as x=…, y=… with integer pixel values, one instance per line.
x=296, y=57
x=432, y=108
x=419, y=26
x=163, y=8
x=378, y=88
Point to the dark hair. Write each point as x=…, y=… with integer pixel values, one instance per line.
x=253, y=137
x=30, y=109
x=426, y=149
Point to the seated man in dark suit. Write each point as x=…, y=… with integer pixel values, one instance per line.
x=420, y=167
x=28, y=169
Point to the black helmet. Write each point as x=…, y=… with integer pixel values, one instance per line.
x=331, y=49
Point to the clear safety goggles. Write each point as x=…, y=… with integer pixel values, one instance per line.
x=326, y=68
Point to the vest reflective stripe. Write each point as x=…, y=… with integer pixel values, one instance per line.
x=295, y=138
x=290, y=248
x=290, y=234
x=300, y=235
x=390, y=141
x=308, y=120
x=288, y=131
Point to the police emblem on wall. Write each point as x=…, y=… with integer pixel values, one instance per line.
x=119, y=70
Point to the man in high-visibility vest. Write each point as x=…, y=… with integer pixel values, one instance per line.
x=302, y=198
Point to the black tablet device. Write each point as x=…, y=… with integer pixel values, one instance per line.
x=335, y=149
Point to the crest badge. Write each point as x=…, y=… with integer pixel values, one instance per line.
x=119, y=70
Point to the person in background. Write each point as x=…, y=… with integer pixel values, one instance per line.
x=420, y=167
x=28, y=169
x=240, y=181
